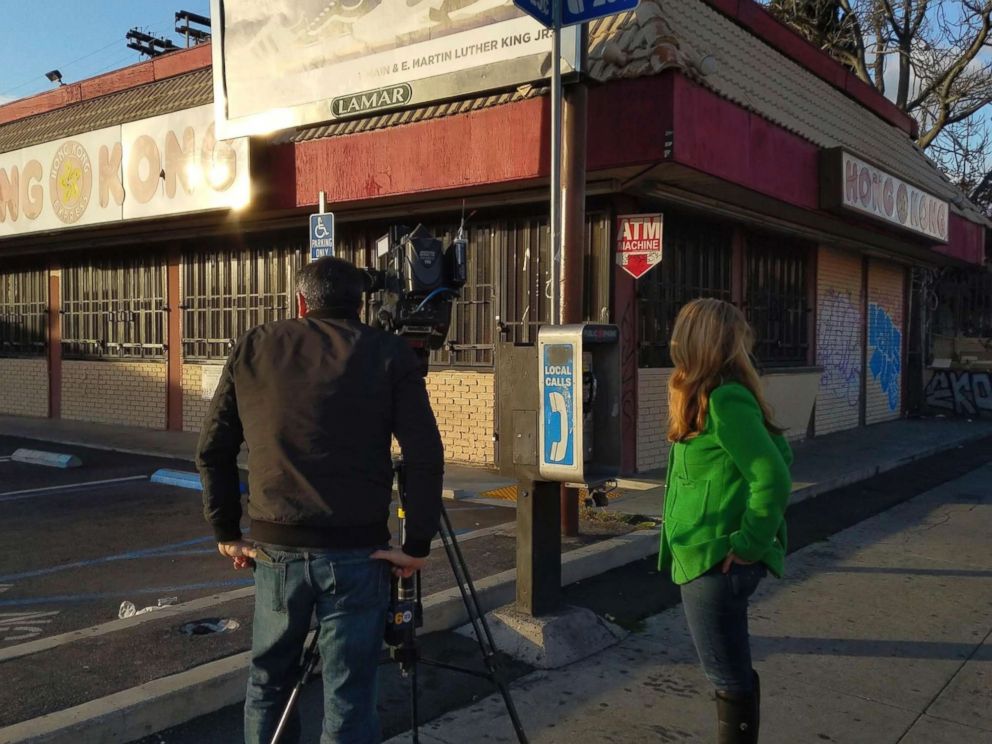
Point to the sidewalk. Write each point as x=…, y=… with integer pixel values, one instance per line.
x=822, y=464
x=880, y=634
x=833, y=461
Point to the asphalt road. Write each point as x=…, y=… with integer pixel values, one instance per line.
x=627, y=595
x=79, y=542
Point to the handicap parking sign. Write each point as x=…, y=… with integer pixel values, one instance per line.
x=321, y=235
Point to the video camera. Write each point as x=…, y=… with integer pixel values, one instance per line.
x=418, y=279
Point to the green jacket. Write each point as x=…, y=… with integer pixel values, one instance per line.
x=726, y=490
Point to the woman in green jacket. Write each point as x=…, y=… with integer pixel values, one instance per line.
x=727, y=488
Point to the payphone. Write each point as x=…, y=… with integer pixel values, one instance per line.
x=559, y=422
x=579, y=415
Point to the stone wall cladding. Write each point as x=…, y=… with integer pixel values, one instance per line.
x=652, y=418
x=24, y=386
x=196, y=397
x=464, y=403
x=126, y=393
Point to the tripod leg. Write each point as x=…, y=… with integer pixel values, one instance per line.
x=414, y=712
x=480, y=626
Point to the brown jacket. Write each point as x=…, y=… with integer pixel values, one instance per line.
x=317, y=400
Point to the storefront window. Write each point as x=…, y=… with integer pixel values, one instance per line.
x=23, y=313
x=776, y=300
x=696, y=263
x=114, y=309
x=225, y=292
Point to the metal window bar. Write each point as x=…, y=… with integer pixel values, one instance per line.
x=225, y=292
x=23, y=313
x=523, y=254
x=114, y=309
x=776, y=301
x=964, y=303
x=696, y=263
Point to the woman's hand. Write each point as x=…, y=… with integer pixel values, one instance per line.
x=731, y=559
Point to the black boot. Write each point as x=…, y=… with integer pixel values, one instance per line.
x=737, y=717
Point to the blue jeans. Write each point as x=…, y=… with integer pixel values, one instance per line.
x=350, y=594
x=715, y=606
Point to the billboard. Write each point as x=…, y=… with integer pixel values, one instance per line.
x=280, y=64
x=166, y=165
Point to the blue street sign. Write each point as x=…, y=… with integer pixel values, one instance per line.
x=573, y=11
x=321, y=235
x=537, y=9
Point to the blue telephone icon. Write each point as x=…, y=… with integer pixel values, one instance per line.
x=557, y=431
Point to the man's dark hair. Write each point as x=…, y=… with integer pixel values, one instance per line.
x=331, y=284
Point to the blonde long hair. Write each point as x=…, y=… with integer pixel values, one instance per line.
x=711, y=344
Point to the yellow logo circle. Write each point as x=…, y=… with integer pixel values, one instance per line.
x=70, y=182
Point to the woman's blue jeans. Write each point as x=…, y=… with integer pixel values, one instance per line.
x=715, y=606
x=350, y=594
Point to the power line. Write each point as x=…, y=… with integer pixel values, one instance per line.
x=61, y=67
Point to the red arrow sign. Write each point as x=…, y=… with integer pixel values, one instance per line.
x=639, y=242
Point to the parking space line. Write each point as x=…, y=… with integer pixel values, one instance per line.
x=183, y=608
x=32, y=492
x=5, y=459
x=156, y=552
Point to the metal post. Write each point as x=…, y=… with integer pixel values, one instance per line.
x=322, y=200
x=538, y=547
x=556, y=105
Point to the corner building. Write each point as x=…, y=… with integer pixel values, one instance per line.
x=135, y=247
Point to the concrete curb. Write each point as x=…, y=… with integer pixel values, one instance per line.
x=139, y=711
x=856, y=476
x=48, y=459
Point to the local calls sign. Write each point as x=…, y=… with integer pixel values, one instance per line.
x=850, y=184
x=171, y=164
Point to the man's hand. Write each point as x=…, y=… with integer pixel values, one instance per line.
x=404, y=566
x=242, y=551
x=731, y=559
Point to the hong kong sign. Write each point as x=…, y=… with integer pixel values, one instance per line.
x=639, y=243
x=849, y=184
x=169, y=164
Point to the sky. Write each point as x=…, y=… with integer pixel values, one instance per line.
x=80, y=38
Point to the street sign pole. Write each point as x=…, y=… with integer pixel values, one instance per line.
x=322, y=199
x=556, y=105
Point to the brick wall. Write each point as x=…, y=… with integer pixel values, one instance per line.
x=885, y=341
x=652, y=418
x=199, y=383
x=839, y=340
x=464, y=403
x=128, y=393
x=24, y=387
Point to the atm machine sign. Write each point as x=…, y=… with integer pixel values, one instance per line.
x=559, y=402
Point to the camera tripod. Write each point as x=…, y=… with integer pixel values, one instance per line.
x=406, y=615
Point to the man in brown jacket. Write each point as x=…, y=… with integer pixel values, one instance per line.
x=317, y=399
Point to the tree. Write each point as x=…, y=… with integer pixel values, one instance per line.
x=933, y=58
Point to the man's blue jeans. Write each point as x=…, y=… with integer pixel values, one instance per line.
x=715, y=606
x=350, y=594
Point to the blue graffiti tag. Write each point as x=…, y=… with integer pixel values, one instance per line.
x=885, y=342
